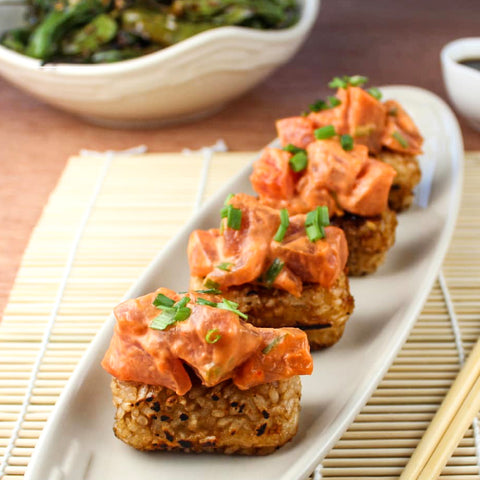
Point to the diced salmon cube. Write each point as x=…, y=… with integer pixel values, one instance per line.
x=366, y=119
x=401, y=134
x=296, y=131
x=203, y=251
x=331, y=167
x=369, y=195
x=272, y=176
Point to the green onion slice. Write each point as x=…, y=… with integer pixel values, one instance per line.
x=315, y=222
x=213, y=336
x=338, y=82
x=357, y=80
x=210, y=284
x=224, y=305
x=204, y=301
x=299, y=161
x=292, y=148
x=234, y=218
x=323, y=215
x=181, y=303
x=318, y=105
x=232, y=307
x=182, y=314
x=325, y=132
x=273, y=344
x=273, y=271
x=375, y=93
x=345, y=81
x=210, y=291
x=347, y=142
x=224, y=210
x=171, y=314
x=400, y=139
x=282, y=230
x=284, y=223
x=164, y=320
x=162, y=300
x=314, y=232
x=225, y=266
x=334, y=101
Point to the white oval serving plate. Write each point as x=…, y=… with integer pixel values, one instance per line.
x=78, y=443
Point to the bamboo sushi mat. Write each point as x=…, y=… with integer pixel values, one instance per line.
x=105, y=221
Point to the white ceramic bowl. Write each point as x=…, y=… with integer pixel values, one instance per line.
x=191, y=79
x=462, y=82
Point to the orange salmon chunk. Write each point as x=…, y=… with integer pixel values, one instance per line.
x=272, y=176
x=369, y=196
x=297, y=131
x=331, y=167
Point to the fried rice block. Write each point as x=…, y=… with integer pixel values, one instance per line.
x=321, y=312
x=368, y=240
x=408, y=176
x=207, y=419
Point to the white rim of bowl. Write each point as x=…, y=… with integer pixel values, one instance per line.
x=308, y=16
x=450, y=57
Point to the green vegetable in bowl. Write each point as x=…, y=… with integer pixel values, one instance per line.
x=97, y=31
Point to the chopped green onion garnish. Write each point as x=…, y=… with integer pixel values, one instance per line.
x=317, y=106
x=375, y=93
x=162, y=300
x=314, y=232
x=400, y=139
x=299, y=162
x=210, y=291
x=232, y=307
x=357, y=80
x=334, y=101
x=273, y=271
x=322, y=105
x=324, y=216
x=212, y=336
x=224, y=210
x=204, y=301
x=292, y=148
x=225, y=266
x=211, y=284
x=164, y=320
x=224, y=305
x=315, y=222
x=282, y=230
x=171, y=314
x=284, y=217
x=338, y=82
x=284, y=223
x=182, y=314
x=325, y=132
x=234, y=218
x=273, y=344
x=312, y=217
x=347, y=142
x=181, y=303
x=345, y=81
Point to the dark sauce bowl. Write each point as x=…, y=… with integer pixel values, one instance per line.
x=462, y=82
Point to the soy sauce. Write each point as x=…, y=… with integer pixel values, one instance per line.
x=471, y=62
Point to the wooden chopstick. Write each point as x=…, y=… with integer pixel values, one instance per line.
x=449, y=424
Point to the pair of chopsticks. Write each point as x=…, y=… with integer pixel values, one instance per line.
x=455, y=415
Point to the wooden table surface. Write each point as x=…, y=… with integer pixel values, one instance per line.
x=391, y=42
